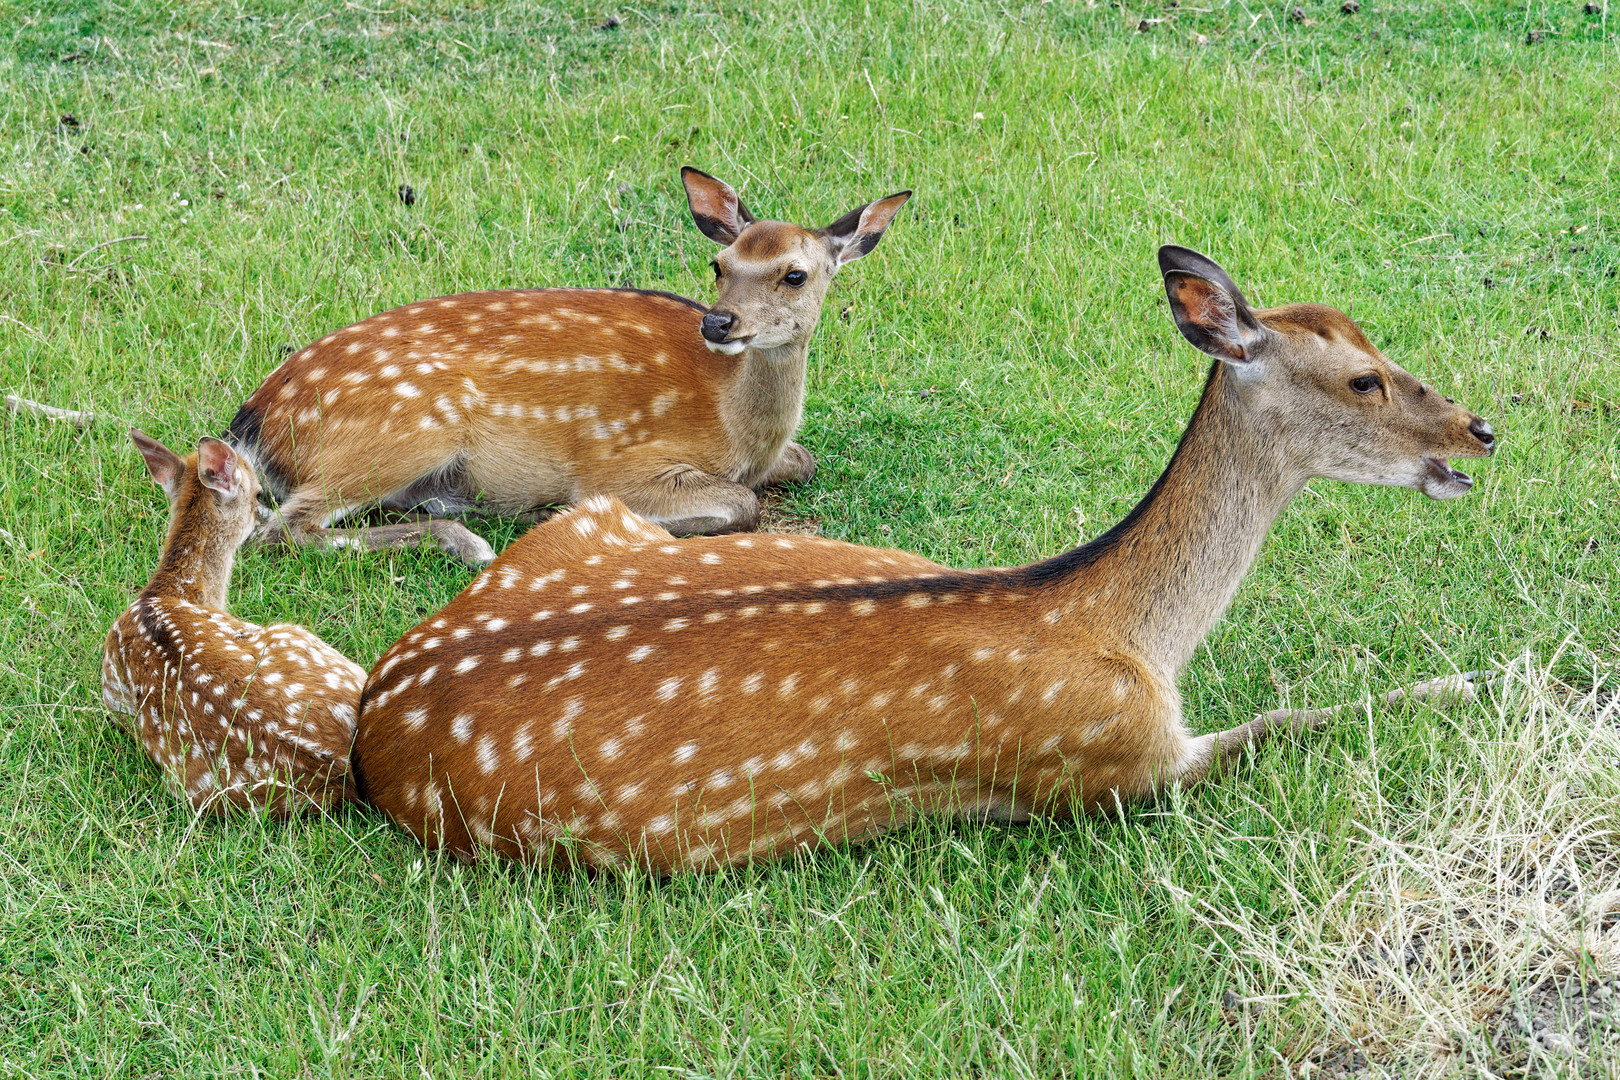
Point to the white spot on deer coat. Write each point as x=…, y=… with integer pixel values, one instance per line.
x=489, y=759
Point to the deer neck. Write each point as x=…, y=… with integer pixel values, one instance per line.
x=1163, y=577
x=196, y=564
x=761, y=406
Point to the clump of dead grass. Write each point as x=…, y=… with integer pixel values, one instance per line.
x=1473, y=907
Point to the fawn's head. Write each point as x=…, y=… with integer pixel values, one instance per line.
x=1344, y=410
x=772, y=276
x=212, y=490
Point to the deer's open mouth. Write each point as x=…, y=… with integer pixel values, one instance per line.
x=1442, y=481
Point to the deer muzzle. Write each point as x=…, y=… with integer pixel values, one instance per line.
x=717, y=326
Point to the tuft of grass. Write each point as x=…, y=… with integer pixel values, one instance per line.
x=186, y=190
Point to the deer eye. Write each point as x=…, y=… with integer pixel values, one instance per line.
x=1365, y=384
x=718, y=274
x=795, y=278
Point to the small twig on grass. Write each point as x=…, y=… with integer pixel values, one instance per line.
x=98, y=247
x=77, y=417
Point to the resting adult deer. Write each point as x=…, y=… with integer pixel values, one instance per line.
x=604, y=692
x=515, y=400
x=236, y=716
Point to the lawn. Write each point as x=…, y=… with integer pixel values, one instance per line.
x=188, y=191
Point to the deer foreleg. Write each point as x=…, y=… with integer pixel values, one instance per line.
x=1220, y=749
x=300, y=522
x=690, y=502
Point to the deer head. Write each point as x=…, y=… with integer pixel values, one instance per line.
x=1342, y=409
x=214, y=490
x=772, y=276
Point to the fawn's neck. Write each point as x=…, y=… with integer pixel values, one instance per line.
x=197, y=558
x=1162, y=578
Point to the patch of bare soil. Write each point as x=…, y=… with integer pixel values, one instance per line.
x=774, y=516
x=1561, y=1020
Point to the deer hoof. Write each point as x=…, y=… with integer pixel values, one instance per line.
x=795, y=465
x=1463, y=687
x=467, y=546
x=801, y=464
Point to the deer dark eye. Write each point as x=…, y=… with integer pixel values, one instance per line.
x=1365, y=384
x=717, y=273
x=795, y=278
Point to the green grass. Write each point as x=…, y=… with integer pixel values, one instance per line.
x=999, y=380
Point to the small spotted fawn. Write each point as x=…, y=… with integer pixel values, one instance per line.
x=606, y=693
x=237, y=716
x=511, y=401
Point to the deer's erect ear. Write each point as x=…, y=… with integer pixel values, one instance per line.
x=859, y=231
x=164, y=464
x=216, y=466
x=1208, y=308
x=719, y=214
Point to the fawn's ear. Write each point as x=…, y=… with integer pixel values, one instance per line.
x=1208, y=308
x=216, y=466
x=719, y=214
x=858, y=232
x=164, y=464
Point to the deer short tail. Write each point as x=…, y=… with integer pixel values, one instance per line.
x=246, y=437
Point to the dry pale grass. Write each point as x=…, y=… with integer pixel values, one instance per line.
x=1481, y=936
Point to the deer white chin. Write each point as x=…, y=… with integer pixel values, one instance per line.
x=726, y=348
x=1441, y=481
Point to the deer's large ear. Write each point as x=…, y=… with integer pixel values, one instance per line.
x=216, y=466
x=859, y=231
x=164, y=464
x=719, y=214
x=1208, y=308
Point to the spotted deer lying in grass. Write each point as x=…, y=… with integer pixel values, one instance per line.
x=604, y=692
x=515, y=400
x=236, y=716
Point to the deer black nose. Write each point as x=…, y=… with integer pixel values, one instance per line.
x=717, y=325
x=1480, y=430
